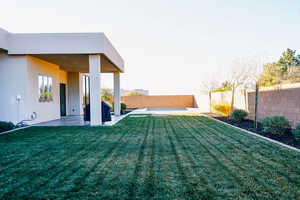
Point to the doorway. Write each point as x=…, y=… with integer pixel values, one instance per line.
x=63, y=106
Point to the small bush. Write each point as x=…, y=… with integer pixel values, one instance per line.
x=222, y=108
x=123, y=106
x=296, y=132
x=277, y=125
x=6, y=126
x=238, y=115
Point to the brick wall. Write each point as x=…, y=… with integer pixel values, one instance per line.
x=280, y=100
x=284, y=102
x=168, y=101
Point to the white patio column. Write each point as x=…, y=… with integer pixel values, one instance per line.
x=117, y=96
x=95, y=88
x=74, y=92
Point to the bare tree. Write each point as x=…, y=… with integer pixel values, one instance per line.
x=246, y=72
x=239, y=76
x=208, y=87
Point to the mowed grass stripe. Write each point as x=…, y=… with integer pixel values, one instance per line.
x=33, y=164
x=54, y=167
x=284, y=175
x=229, y=137
x=148, y=157
x=242, y=163
x=194, y=189
x=13, y=144
x=245, y=181
x=218, y=176
x=136, y=182
x=262, y=183
x=158, y=163
x=118, y=182
x=196, y=176
x=94, y=185
x=109, y=169
x=172, y=185
x=266, y=148
x=254, y=159
x=212, y=165
x=263, y=156
x=72, y=177
x=17, y=154
x=145, y=179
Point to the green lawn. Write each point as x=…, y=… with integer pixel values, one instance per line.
x=146, y=157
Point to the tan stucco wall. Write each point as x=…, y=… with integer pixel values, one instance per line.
x=202, y=100
x=45, y=110
x=19, y=77
x=63, y=76
x=13, y=82
x=171, y=101
x=225, y=97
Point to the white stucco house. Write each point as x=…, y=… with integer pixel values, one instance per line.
x=42, y=74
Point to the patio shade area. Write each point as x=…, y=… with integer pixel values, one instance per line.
x=146, y=157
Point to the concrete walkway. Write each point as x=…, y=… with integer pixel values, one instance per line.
x=165, y=111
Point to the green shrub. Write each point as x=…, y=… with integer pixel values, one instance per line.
x=222, y=108
x=238, y=115
x=296, y=132
x=275, y=125
x=6, y=126
x=123, y=106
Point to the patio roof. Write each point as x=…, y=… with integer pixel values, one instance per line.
x=69, y=50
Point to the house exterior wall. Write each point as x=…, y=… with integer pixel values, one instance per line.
x=19, y=77
x=168, y=101
x=25, y=56
x=63, y=76
x=13, y=82
x=3, y=39
x=45, y=110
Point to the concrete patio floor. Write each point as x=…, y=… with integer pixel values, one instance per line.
x=77, y=121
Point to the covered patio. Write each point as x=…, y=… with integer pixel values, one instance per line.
x=84, y=87
x=66, y=58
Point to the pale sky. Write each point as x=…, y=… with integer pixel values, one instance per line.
x=169, y=46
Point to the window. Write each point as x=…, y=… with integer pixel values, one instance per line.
x=45, y=88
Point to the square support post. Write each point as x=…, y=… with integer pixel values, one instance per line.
x=117, y=96
x=95, y=89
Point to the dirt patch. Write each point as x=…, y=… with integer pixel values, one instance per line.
x=288, y=138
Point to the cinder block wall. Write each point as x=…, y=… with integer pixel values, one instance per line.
x=284, y=102
x=168, y=101
x=279, y=100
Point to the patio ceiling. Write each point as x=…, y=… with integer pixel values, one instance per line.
x=77, y=62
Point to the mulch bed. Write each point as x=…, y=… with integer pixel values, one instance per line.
x=288, y=138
